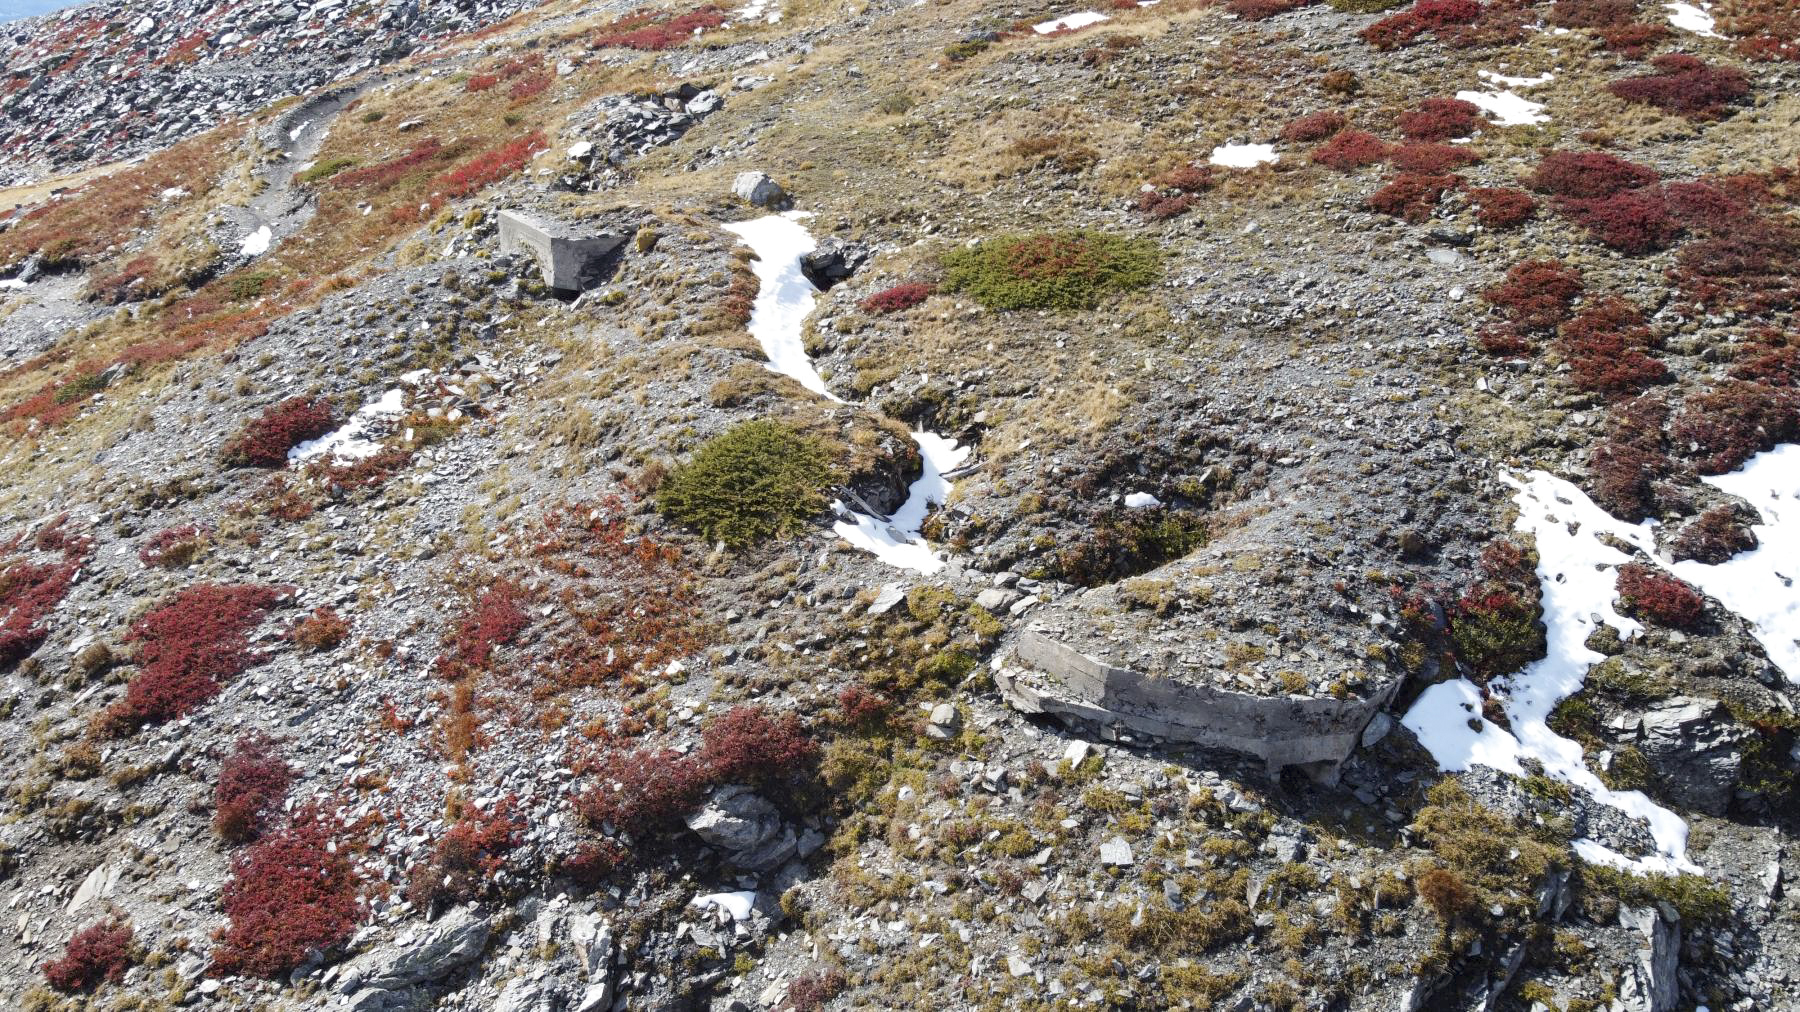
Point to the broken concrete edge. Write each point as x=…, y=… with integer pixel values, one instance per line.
x=1313, y=735
x=562, y=254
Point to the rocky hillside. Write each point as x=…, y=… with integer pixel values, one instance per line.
x=1202, y=504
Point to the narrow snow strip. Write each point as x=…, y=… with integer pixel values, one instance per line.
x=1761, y=584
x=1506, y=108
x=1243, y=156
x=351, y=441
x=1578, y=572
x=257, y=242
x=785, y=297
x=1070, y=22
x=1690, y=18
x=1515, y=82
x=897, y=541
x=738, y=904
x=12, y=283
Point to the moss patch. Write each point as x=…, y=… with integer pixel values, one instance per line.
x=1062, y=270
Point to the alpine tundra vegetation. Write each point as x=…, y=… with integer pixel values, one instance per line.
x=798, y=505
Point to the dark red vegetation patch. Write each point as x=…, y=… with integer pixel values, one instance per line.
x=292, y=891
x=1405, y=28
x=1686, y=86
x=1769, y=360
x=266, y=439
x=1589, y=175
x=645, y=30
x=253, y=782
x=1606, y=345
x=1653, y=594
x=172, y=548
x=1412, y=195
x=1352, y=149
x=640, y=791
x=1704, y=205
x=898, y=298
x=1628, y=465
x=30, y=591
x=1632, y=41
x=1753, y=266
x=1714, y=536
x=1501, y=207
x=1433, y=158
x=1440, y=119
x=496, y=618
x=192, y=643
x=1727, y=425
x=100, y=952
x=1593, y=13
x=1256, y=10
x=1631, y=221
x=465, y=859
x=1314, y=127
x=1537, y=294
x=1176, y=191
x=323, y=630
x=1767, y=30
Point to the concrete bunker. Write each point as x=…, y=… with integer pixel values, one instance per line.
x=1311, y=734
x=571, y=260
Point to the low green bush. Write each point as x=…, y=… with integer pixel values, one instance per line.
x=1061, y=270
x=324, y=170
x=757, y=481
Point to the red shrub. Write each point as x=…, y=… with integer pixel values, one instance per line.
x=859, y=706
x=29, y=593
x=490, y=166
x=1503, y=341
x=1629, y=463
x=497, y=617
x=253, y=782
x=1404, y=28
x=1754, y=267
x=527, y=88
x=1592, y=13
x=1158, y=206
x=1257, y=10
x=1314, y=127
x=1774, y=364
x=1714, y=537
x=1633, y=221
x=1685, y=86
x=641, y=790
x=465, y=858
x=1632, y=41
x=1537, y=294
x=190, y=644
x=99, y=952
x=265, y=440
x=172, y=548
x=1433, y=158
x=1412, y=195
x=389, y=172
x=1729, y=424
x=1439, y=119
x=1703, y=205
x=482, y=82
x=810, y=991
x=1189, y=178
x=290, y=892
x=642, y=31
x=1350, y=150
x=1587, y=175
x=1500, y=207
x=748, y=744
x=1606, y=344
x=1659, y=597
x=324, y=629
x=897, y=298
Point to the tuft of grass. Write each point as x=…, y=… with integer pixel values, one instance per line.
x=1061, y=270
x=324, y=170
x=757, y=481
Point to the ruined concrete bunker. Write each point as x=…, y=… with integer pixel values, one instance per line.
x=572, y=260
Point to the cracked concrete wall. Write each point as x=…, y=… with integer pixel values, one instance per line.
x=1315, y=733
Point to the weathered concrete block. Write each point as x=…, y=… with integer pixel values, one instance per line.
x=567, y=256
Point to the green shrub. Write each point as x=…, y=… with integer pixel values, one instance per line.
x=1063, y=270
x=1696, y=898
x=324, y=170
x=757, y=481
x=957, y=52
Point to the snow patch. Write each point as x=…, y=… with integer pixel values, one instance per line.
x=1243, y=156
x=1141, y=500
x=1507, y=108
x=1578, y=573
x=351, y=441
x=760, y=10
x=1760, y=584
x=257, y=242
x=896, y=541
x=12, y=283
x=1690, y=18
x=738, y=904
x=1070, y=23
x=786, y=297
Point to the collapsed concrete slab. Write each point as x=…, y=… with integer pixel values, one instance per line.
x=1313, y=734
x=570, y=259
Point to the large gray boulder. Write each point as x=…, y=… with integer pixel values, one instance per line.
x=1650, y=984
x=742, y=823
x=417, y=958
x=1696, y=749
x=759, y=190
